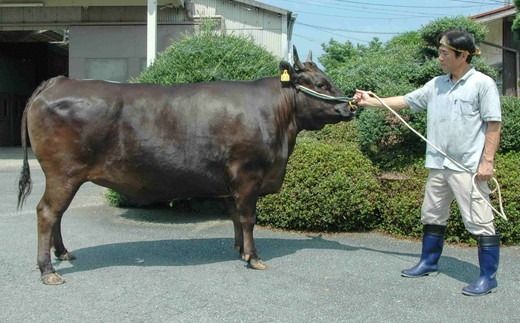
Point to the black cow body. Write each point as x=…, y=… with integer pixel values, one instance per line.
x=159, y=143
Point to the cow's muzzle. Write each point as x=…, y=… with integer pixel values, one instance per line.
x=345, y=111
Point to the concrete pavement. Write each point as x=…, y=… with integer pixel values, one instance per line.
x=141, y=265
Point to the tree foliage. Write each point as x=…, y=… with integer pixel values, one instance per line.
x=431, y=32
x=402, y=64
x=516, y=22
x=209, y=56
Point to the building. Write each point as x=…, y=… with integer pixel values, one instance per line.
x=107, y=39
x=501, y=47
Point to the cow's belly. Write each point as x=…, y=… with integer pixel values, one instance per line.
x=148, y=189
x=153, y=179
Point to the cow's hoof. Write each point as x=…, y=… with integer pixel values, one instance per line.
x=67, y=256
x=52, y=279
x=256, y=263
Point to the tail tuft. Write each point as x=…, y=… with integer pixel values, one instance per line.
x=24, y=183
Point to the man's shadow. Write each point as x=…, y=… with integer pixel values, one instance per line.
x=188, y=252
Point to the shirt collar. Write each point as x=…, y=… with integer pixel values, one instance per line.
x=464, y=77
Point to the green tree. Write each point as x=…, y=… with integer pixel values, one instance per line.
x=516, y=22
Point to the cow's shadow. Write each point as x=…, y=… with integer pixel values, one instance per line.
x=188, y=252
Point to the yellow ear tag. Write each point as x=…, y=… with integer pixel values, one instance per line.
x=285, y=76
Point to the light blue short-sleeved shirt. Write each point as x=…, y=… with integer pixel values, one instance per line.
x=457, y=115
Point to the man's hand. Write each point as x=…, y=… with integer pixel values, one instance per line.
x=485, y=170
x=365, y=99
x=361, y=98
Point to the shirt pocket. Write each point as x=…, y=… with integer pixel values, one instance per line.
x=466, y=104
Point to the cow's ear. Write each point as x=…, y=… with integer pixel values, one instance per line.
x=287, y=73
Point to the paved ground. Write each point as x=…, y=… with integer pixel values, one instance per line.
x=153, y=266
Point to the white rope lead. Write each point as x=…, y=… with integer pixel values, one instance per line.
x=475, y=186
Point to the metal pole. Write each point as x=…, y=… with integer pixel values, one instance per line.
x=151, y=32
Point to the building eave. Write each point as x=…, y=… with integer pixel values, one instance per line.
x=492, y=15
x=264, y=6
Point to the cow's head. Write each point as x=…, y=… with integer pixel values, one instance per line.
x=313, y=112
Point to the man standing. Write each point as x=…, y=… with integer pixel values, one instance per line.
x=463, y=120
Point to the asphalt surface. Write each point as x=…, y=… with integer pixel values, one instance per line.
x=141, y=265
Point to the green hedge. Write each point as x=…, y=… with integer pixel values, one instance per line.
x=510, y=136
x=208, y=57
x=508, y=175
x=387, y=141
x=401, y=200
x=340, y=133
x=327, y=188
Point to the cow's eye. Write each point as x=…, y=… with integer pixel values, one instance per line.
x=323, y=86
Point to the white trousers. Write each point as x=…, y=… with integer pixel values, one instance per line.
x=442, y=187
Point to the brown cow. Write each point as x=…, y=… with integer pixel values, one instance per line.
x=159, y=143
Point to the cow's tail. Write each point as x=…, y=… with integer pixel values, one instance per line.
x=24, y=182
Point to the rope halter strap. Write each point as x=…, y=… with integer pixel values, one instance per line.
x=324, y=96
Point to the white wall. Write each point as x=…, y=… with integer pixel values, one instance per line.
x=493, y=55
x=115, y=53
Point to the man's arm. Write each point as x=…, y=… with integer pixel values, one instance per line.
x=364, y=99
x=486, y=166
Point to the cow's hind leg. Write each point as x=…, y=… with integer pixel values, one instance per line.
x=55, y=200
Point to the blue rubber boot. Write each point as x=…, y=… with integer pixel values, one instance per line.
x=432, y=243
x=488, y=257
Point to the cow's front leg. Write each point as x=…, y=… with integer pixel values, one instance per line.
x=57, y=241
x=245, y=199
x=250, y=255
x=237, y=226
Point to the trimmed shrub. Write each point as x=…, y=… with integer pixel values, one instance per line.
x=116, y=199
x=508, y=173
x=326, y=188
x=209, y=57
x=401, y=200
x=403, y=192
x=387, y=141
x=340, y=133
x=510, y=140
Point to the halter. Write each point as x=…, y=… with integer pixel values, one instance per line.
x=327, y=97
